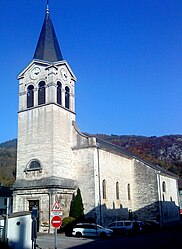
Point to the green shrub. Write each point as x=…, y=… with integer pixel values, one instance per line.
x=67, y=221
x=67, y=226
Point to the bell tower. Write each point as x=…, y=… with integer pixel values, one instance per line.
x=45, y=116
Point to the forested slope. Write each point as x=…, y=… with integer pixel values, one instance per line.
x=166, y=151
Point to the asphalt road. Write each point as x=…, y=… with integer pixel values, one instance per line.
x=166, y=239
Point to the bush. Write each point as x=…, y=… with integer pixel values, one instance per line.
x=67, y=221
x=67, y=226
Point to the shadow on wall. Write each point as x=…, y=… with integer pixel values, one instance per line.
x=165, y=212
x=19, y=239
x=19, y=230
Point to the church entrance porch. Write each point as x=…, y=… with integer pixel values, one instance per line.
x=44, y=193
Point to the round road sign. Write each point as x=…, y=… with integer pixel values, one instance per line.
x=56, y=221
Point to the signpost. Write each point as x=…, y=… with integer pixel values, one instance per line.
x=56, y=220
x=6, y=223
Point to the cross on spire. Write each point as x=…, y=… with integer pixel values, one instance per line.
x=47, y=7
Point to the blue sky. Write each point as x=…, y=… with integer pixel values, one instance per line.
x=126, y=54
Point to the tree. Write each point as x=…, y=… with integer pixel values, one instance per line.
x=76, y=209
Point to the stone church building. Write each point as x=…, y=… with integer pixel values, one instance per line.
x=54, y=157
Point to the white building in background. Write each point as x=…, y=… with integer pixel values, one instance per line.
x=54, y=158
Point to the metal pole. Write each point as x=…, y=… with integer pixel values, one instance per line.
x=55, y=238
x=34, y=216
x=35, y=235
x=6, y=222
x=32, y=234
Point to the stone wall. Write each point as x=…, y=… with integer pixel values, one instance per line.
x=169, y=199
x=46, y=198
x=145, y=191
x=114, y=168
x=83, y=168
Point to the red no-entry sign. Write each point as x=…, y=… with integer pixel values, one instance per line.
x=56, y=221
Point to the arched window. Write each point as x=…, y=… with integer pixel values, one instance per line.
x=30, y=96
x=128, y=190
x=163, y=186
x=34, y=165
x=117, y=190
x=41, y=93
x=59, y=93
x=67, y=97
x=104, y=189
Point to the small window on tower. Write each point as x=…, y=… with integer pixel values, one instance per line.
x=33, y=165
x=41, y=93
x=59, y=93
x=67, y=97
x=30, y=96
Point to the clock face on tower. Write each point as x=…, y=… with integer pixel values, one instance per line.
x=34, y=73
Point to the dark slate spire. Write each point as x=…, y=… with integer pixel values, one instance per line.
x=47, y=47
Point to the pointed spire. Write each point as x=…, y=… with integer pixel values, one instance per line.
x=47, y=9
x=48, y=47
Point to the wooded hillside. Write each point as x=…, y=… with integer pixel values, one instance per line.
x=166, y=151
x=8, y=162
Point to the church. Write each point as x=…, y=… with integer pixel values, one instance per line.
x=55, y=158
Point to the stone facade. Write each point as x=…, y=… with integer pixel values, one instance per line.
x=54, y=158
x=45, y=136
x=139, y=184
